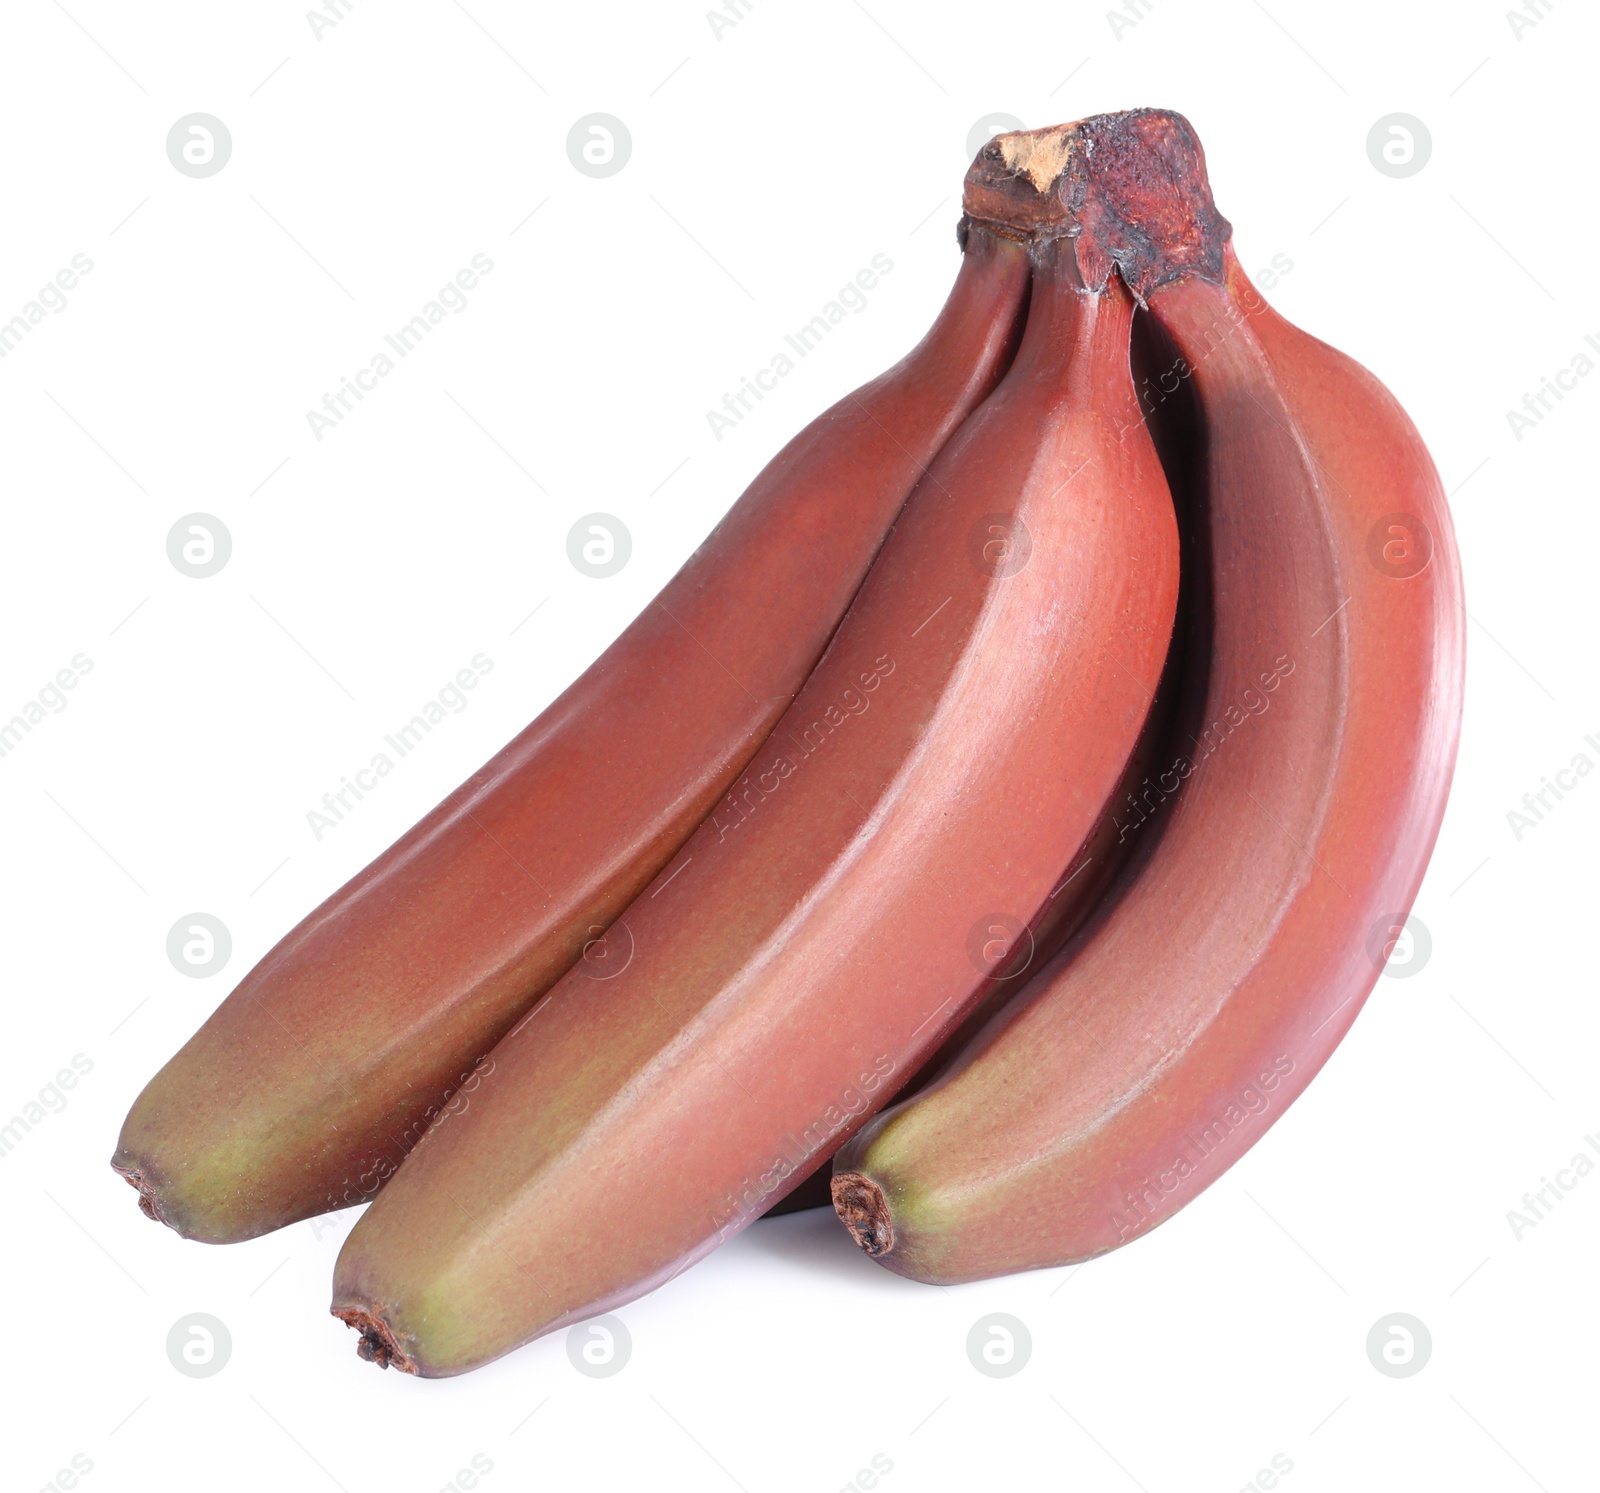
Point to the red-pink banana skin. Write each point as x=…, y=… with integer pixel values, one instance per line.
x=1147, y=1059
x=814, y=938
x=309, y=1085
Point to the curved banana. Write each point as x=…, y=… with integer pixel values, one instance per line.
x=821, y=931
x=312, y=1081
x=1292, y=829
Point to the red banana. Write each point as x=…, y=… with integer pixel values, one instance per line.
x=1292, y=830
x=819, y=933
x=309, y=1085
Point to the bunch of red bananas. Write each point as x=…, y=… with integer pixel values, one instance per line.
x=1049, y=743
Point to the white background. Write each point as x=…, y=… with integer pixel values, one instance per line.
x=769, y=164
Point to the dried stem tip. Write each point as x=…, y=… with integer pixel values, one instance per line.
x=149, y=1203
x=864, y=1210
x=1129, y=188
x=378, y=1343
